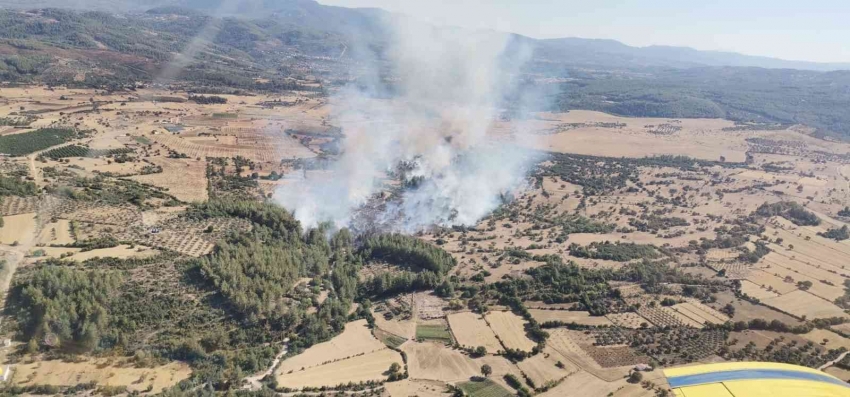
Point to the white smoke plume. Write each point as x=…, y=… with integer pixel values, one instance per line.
x=450, y=86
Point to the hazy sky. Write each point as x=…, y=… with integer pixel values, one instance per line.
x=812, y=30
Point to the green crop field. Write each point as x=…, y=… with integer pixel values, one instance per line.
x=484, y=388
x=33, y=141
x=433, y=332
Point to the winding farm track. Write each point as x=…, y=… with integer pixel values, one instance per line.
x=831, y=363
x=254, y=380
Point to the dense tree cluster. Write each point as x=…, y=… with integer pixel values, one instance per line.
x=837, y=234
x=208, y=100
x=620, y=252
x=790, y=210
x=65, y=308
x=407, y=252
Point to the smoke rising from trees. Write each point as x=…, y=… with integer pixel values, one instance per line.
x=448, y=87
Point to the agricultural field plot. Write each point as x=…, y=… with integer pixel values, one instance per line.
x=426, y=306
x=583, y=383
x=389, y=339
x=766, y=279
x=367, y=367
x=14, y=205
x=434, y=330
x=818, y=288
x=816, y=251
x=484, y=388
x=121, y=252
x=734, y=270
x=403, y=328
x=659, y=317
x=185, y=179
x=614, y=356
x=745, y=311
x=18, y=229
x=788, y=260
x=627, y=320
x=757, y=291
x=102, y=371
x=102, y=214
x=543, y=368
x=833, y=340
x=58, y=233
x=355, y=340
x=699, y=313
x=801, y=303
x=282, y=147
x=437, y=362
x=420, y=388
x=510, y=329
x=569, y=316
x=188, y=244
x=470, y=330
x=567, y=343
x=843, y=328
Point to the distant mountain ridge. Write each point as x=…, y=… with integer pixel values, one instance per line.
x=363, y=24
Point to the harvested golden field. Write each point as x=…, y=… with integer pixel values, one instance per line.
x=403, y=328
x=18, y=228
x=697, y=138
x=568, y=316
x=765, y=278
x=370, y=366
x=56, y=233
x=542, y=369
x=251, y=144
x=833, y=340
x=120, y=252
x=802, y=303
x=566, y=342
x=469, y=329
x=510, y=329
x=419, y=388
x=185, y=179
x=435, y=361
x=102, y=371
x=356, y=339
x=583, y=383
x=782, y=270
x=757, y=291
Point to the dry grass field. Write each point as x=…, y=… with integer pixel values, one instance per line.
x=432, y=361
x=583, y=383
x=569, y=316
x=403, y=328
x=102, y=371
x=801, y=303
x=120, y=252
x=469, y=329
x=185, y=179
x=757, y=291
x=355, y=340
x=510, y=329
x=420, y=388
x=542, y=368
x=370, y=366
x=833, y=340
x=18, y=229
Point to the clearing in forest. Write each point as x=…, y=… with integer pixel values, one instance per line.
x=355, y=340
x=363, y=368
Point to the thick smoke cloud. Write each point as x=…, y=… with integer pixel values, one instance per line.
x=449, y=87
